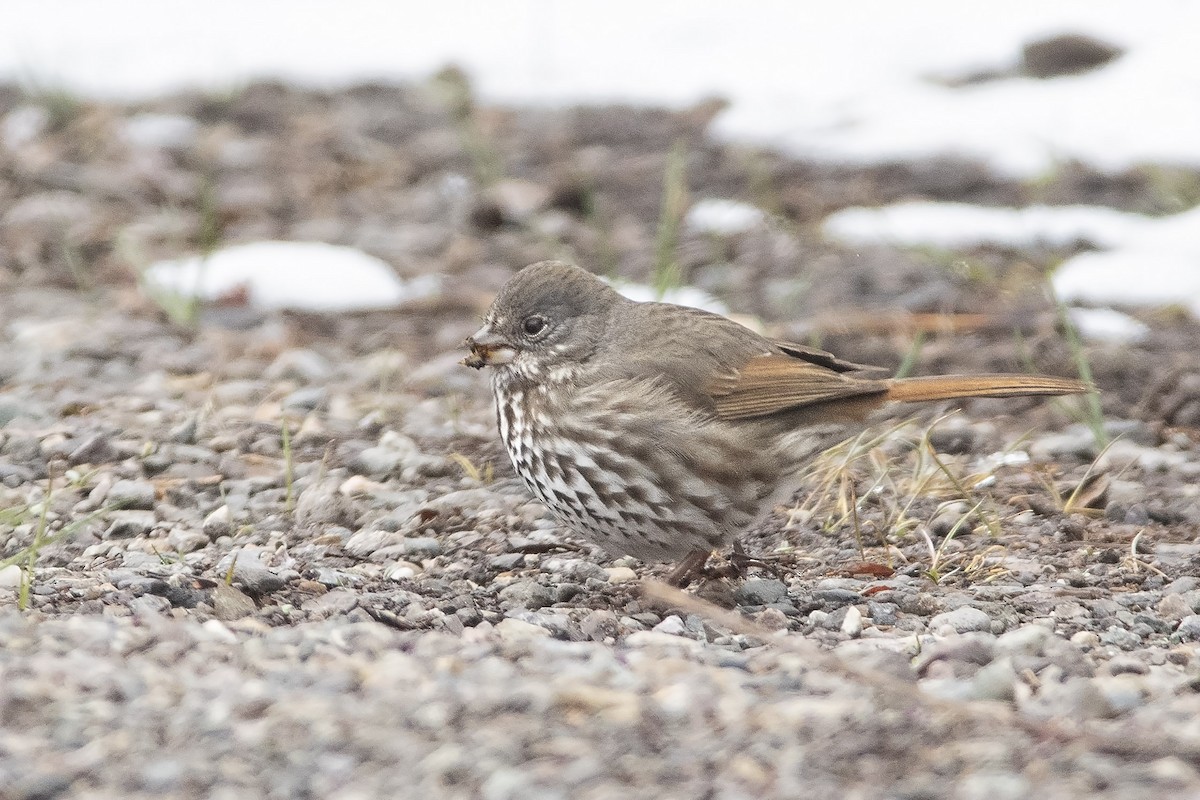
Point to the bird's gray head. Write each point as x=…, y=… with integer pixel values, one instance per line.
x=548, y=313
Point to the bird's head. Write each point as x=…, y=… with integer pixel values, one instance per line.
x=549, y=313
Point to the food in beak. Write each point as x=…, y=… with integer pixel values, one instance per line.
x=487, y=350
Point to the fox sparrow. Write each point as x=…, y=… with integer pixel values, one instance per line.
x=661, y=431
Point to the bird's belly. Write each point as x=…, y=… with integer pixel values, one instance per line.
x=644, y=502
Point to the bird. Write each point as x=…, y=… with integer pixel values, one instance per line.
x=663, y=432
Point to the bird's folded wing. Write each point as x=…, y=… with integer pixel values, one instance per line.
x=822, y=358
x=768, y=384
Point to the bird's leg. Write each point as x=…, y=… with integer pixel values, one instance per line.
x=742, y=561
x=691, y=566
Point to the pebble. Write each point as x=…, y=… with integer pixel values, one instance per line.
x=98, y=449
x=525, y=594
x=761, y=592
x=672, y=624
x=218, y=523
x=963, y=620
x=1188, y=630
x=230, y=603
x=882, y=613
x=10, y=576
x=852, y=624
x=510, y=629
x=422, y=547
x=183, y=540
x=1119, y=637
x=128, y=494
x=129, y=524
x=619, y=574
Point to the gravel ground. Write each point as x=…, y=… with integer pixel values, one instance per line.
x=372, y=606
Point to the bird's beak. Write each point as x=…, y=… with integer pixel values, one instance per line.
x=488, y=349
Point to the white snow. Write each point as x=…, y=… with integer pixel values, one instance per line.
x=1131, y=277
x=1142, y=261
x=723, y=217
x=160, y=130
x=1107, y=325
x=306, y=276
x=843, y=81
x=679, y=295
x=853, y=81
x=959, y=225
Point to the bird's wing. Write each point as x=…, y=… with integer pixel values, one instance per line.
x=774, y=382
x=717, y=366
x=821, y=357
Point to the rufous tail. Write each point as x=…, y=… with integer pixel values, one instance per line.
x=949, y=387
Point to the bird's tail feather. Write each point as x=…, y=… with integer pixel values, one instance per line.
x=949, y=387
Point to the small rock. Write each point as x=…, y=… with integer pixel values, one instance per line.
x=506, y=562
x=852, y=625
x=1174, y=607
x=1119, y=637
x=10, y=576
x=422, y=547
x=963, y=620
x=525, y=594
x=258, y=581
x=230, y=603
x=403, y=570
x=1123, y=664
x=1066, y=54
x=882, y=613
x=366, y=542
x=302, y=364
x=773, y=619
x=1188, y=630
x=97, y=449
x=128, y=494
x=185, y=432
x=672, y=625
x=515, y=630
x=1122, y=693
x=600, y=625
x=321, y=505
x=183, y=540
x=995, y=681
x=128, y=524
x=308, y=398
x=761, y=592
x=620, y=574
x=218, y=523
x=1077, y=441
x=335, y=602
x=1025, y=640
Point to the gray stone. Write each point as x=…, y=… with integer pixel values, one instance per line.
x=96, y=449
x=760, y=592
x=1188, y=630
x=422, y=547
x=218, y=523
x=1119, y=637
x=230, y=603
x=307, y=399
x=128, y=524
x=963, y=619
x=183, y=540
x=132, y=495
x=882, y=613
x=525, y=594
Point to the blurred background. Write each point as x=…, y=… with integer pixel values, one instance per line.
x=788, y=162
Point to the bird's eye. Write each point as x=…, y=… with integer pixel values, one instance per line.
x=534, y=326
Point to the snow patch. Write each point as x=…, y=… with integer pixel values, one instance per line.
x=303, y=276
